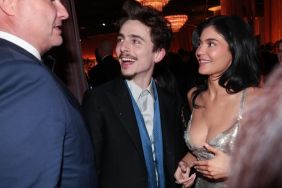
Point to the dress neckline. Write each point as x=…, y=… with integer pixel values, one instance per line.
x=235, y=124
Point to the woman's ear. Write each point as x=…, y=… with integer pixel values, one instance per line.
x=159, y=55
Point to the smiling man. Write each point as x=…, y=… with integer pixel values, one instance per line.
x=43, y=138
x=135, y=124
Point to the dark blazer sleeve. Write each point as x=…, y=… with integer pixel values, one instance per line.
x=41, y=146
x=93, y=116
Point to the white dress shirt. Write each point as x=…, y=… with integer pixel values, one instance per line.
x=148, y=115
x=21, y=43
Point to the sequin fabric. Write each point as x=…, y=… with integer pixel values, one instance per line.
x=224, y=141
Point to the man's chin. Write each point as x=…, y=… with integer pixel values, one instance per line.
x=128, y=76
x=53, y=43
x=58, y=41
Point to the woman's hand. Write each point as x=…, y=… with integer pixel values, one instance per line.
x=215, y=168
x=182, y=175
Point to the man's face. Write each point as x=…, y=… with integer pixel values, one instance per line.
x=135, y=51
x=39, y=22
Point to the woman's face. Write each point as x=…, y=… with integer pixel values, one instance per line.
x=213, y=53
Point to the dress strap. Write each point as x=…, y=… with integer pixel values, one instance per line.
x=242, y=102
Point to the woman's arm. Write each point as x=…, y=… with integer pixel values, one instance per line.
x=182, y=173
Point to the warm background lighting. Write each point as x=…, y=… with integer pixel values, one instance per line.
x=215, y=9
x=177, y=21
x=157, y=4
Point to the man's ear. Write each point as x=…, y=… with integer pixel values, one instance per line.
x=8, y=6
x=159, y=55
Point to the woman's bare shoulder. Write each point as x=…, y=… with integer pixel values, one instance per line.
x=190, y=93
x=189, y=96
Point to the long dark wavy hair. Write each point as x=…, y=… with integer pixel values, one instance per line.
x=244, y=70
x=161, y=32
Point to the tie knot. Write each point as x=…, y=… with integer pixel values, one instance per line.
x=143, y=100
x=144, y=93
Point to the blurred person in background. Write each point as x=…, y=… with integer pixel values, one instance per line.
x=257, y=159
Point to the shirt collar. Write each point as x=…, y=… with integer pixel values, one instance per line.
x=136, y=90
x=20, y=42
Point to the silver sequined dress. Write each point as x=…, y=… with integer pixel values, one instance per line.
x=224, y=141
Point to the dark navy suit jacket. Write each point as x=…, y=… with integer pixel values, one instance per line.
x=43, y=139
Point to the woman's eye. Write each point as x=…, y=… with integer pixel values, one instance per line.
x=210, y=44
x=198, y=44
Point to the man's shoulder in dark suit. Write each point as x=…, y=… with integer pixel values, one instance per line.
x=40, y=128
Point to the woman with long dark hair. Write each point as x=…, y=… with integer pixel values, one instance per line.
x=227, y=55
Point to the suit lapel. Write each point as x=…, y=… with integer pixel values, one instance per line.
x=122, y=104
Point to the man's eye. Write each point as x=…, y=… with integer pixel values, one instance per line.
x=119, y=40
x=134, y=41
